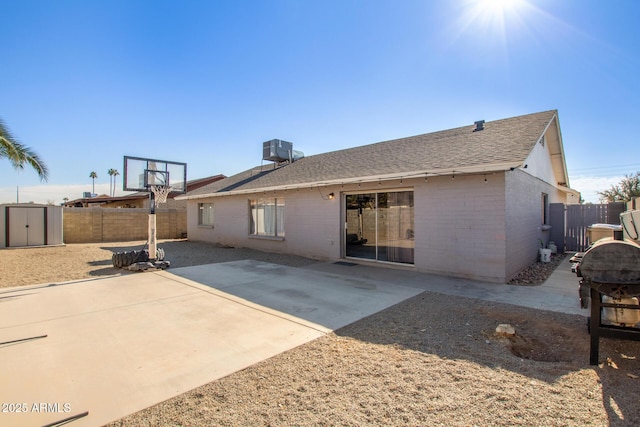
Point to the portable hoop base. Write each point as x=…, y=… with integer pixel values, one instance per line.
x=156, y=254
x=142, y=266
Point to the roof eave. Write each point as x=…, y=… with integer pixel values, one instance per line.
x=560, y=147
x=463, y=170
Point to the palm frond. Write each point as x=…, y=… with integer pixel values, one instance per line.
x=19, y=154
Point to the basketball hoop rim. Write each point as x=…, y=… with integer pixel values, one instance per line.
x=160, y=192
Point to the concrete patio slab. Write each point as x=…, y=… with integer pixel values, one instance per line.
x=320, y=297
x=117, y=345
x=558, y=293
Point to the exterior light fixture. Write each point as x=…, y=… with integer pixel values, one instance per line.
x=331, y=196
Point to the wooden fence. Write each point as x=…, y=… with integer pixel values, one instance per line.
x=579, y=217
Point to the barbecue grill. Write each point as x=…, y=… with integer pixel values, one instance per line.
x=610, y=278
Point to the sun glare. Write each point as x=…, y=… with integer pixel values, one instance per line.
x=488, y=27
x=491, y=17
x=496, y=10
x=497, y=6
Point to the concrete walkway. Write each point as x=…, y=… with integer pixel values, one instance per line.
x=559, y=293
x=118, y=345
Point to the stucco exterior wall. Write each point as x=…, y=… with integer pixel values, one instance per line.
x=524, y=217
x=539, y=163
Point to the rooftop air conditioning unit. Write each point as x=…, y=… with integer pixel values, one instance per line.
x=277, y=150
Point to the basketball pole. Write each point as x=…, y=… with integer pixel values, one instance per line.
x=152, y=226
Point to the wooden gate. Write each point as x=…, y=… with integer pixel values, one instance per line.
x=580, y=217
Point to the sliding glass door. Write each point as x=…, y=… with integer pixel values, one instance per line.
x=360, y=239
x=379, y=226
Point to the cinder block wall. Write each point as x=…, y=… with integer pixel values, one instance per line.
x=460, y=226
x=524, y=229
x=93, y=225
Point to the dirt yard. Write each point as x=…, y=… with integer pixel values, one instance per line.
x=430, y=360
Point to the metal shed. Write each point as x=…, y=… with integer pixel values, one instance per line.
x=24, y=225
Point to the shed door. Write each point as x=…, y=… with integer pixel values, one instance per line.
x=26, y=226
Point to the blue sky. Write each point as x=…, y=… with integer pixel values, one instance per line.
x=84, y=83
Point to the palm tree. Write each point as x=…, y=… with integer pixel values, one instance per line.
x=93, y=176
x=19, y=154
x=110, y=172
x=115, y=175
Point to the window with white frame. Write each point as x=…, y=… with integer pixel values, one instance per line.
x=545, y=209
x=266, y=217
x=205, y=214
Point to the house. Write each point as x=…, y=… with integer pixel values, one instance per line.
x=470, y=202
x=138, y=199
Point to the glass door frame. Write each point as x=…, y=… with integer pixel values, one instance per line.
x=343, y=214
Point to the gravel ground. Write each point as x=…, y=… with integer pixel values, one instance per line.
x=430, y=360
x=28, y=266
x=537, y=272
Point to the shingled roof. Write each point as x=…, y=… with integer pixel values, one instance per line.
x=501, y=145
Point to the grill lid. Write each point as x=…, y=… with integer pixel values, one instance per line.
x=612, y=267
